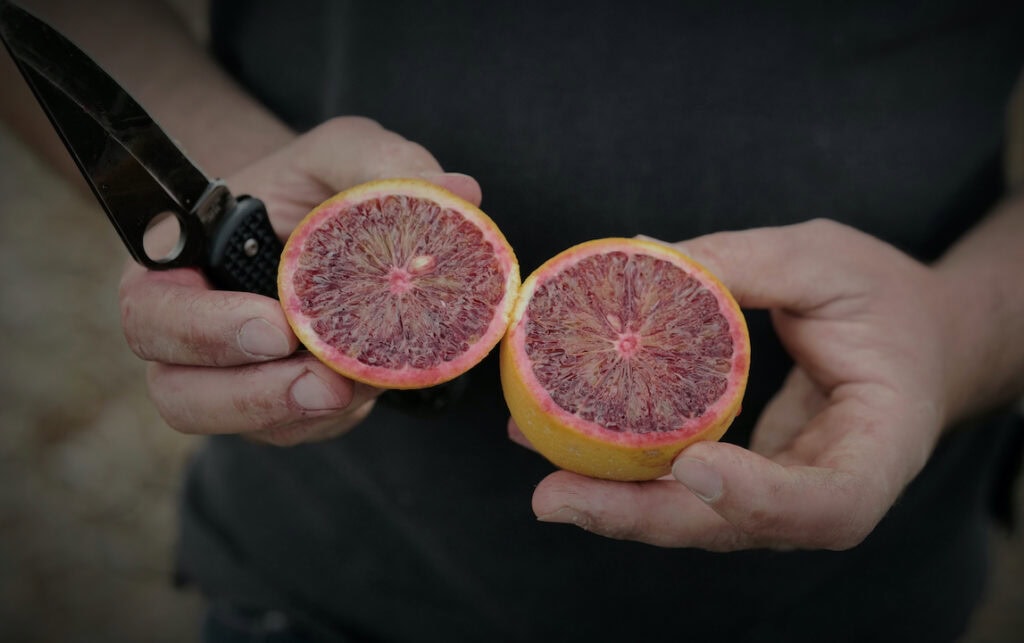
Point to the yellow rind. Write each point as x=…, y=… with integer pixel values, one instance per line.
x=571, y=450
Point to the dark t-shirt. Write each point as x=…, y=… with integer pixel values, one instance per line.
x=584, y=120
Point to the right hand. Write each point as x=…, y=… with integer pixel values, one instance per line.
x=226, y=362
x=876, y=346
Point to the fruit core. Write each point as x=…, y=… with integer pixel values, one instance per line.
x=630, y=342
x=428, y=273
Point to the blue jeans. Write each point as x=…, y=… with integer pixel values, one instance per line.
x=226, y=623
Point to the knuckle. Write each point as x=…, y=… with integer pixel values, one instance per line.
x=268, y=408
x=861, y=505
x=258, y=411
x=203, y=345
x=346, y=125
x=175, y=414
x=386, y=153
x=616, y=530
x=839, y=531
x=619, y=525
x=839, y=534
x=729, y=539
x=341, y=128
x=704, y=249
x=130, y=326
x=849, y=539
x=762, y=522
x=175, y=326
x=821, y=225
x=205, y=329
x=398, y=154
x=853, y=526
x=822, y=234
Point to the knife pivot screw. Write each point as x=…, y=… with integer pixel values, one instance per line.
x=251, y=247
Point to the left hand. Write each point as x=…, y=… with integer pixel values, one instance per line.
x=853, y=424
x=223, y=362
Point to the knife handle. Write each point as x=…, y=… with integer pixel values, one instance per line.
x=244, y=251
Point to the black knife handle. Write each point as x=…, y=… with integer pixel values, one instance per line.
x=243, y=252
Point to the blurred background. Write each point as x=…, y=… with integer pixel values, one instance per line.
x=89, y=474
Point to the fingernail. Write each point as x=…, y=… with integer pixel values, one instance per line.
x=566, y=515
x=312, y=393
x=698, y=477
x=260, y=338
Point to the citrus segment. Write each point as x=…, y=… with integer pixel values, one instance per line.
x=620, y=353
x=398, y=283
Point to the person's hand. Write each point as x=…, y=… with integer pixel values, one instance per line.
x=855, y=421
x=225, y=362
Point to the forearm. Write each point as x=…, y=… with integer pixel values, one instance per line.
x=148, y=48
x=982, y=278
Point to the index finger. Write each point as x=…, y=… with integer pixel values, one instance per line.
x=174, y=317
x=800, y=267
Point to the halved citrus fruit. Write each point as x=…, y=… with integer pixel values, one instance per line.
x=619, y=354
x=398, y=283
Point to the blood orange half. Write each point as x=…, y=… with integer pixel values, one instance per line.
x=398, y=283
x=619, y=354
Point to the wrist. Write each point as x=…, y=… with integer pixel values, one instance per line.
x=962, y=314
x=981, y=310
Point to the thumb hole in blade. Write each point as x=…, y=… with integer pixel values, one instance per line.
x=164, y=238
